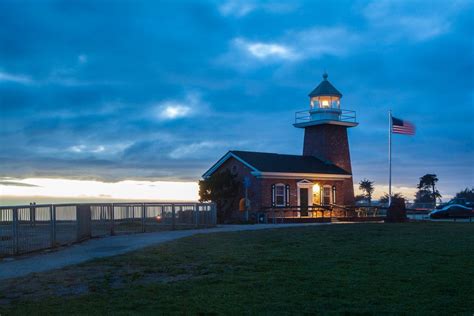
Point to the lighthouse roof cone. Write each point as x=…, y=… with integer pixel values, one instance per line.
x=325, y=88
x=325, y=108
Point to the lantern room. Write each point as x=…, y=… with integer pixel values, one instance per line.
x=325, y=108
x=325, y=96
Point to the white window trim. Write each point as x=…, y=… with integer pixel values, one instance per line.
x=330, y=193
x=284, y=195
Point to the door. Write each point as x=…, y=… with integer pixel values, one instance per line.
x=304, y=201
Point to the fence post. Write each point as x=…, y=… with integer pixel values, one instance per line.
x=143, y=217
x=173, y=216
x=52, y=216
x=209, y=218
x=16, y=247
x=112, y=219
x=32, y=214
x=196, y=214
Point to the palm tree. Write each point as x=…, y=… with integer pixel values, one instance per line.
x=428, y=182
x=367, y=187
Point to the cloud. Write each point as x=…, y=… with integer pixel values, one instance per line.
x=171, y=110
x=318, y=41
x=262, y=50
x=293, y=46
x=193, y=150
x=242, y=8
x=178, y=109
x=15, y=78
x=405, y=20
x=17, y=184
x=236, y=8
x=86, y=149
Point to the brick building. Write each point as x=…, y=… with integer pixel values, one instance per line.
x=321, y=176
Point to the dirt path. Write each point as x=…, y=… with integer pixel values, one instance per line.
x=111, y=246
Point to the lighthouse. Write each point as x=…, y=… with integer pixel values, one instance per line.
x=325, y=130
x=301, y=187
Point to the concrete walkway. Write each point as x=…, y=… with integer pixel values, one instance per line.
x=111, y=246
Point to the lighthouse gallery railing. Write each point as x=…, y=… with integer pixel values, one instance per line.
x=344, y=116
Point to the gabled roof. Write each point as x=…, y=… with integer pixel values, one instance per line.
x=277, y=163
x=325, y=88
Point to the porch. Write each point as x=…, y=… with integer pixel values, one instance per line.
x=317, y=214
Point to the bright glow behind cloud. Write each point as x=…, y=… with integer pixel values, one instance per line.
x=172, y=110
x=265, y=50
x=176, y=109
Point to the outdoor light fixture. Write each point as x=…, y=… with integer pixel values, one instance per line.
x=316, y=188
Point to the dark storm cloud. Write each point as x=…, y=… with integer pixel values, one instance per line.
x=145, y=89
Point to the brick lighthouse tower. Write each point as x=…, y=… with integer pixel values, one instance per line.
x=325, y=131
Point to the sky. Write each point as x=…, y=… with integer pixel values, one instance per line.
x=102, y=98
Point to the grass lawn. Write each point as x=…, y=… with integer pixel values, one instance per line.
x=360, y=268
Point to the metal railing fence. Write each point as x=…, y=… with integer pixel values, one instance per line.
x=29, y=228
x=344, y=115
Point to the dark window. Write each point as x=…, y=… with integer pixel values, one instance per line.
x=326, y=195
x=280, y=195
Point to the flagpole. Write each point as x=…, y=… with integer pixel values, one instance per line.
x=390, y=158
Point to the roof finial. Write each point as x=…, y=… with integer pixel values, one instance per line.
x=325, y=75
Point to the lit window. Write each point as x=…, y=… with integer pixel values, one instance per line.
x=280, y=199
x=325, y=104
x=316, y=194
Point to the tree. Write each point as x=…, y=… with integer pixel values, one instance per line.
x=428, y=184
x=423, y=196
x=395, y=197
x=467, y=194
x=221, y=188
x=367, y=187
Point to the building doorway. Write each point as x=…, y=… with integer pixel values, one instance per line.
x=303, y=201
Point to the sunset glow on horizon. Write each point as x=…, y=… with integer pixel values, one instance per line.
x=23, y=191
x=90, y=189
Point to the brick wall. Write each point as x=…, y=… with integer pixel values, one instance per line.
x=328, y=142
x=342, y=194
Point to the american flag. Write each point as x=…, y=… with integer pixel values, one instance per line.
x=402, y=127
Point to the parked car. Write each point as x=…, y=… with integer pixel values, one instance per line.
x=459, y=201
x=452, y=211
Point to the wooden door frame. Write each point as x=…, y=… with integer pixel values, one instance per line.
x=304, y=184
